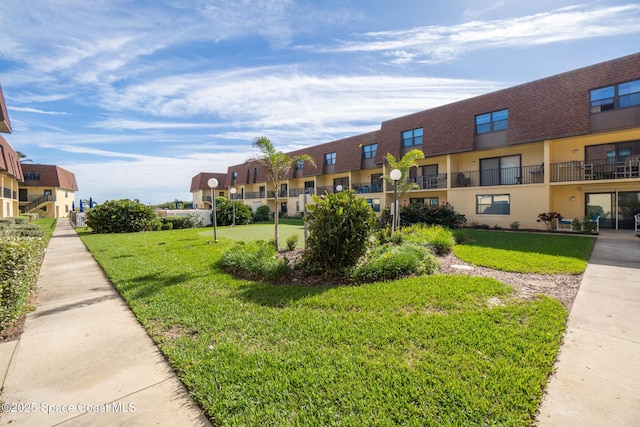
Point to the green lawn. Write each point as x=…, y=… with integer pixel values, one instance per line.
x=439, y=350
x=527, y=252
x=260, y=231
x=47, y=225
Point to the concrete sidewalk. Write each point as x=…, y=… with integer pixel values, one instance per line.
x=597, y=382
x=84, y=359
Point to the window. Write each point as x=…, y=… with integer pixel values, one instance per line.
x=492, y=122
x=374, y=204
x=234, y=175
x=412, y=137
x=330, y=159
x=500, y=170
x=428, y=201
x=369, y=151
x=32, y=176
x=309, y=187
x=248, y=176
x=616, y=96
x=255, y=175
x=493, y=204
x=344, y=182
x=300, y=165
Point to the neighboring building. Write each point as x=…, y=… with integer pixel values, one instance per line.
x=47, y=189
x=10, y=171
x=569, y=143
x=201, y=192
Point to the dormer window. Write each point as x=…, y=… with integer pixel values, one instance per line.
x=616, y=96
x=492, y=122
x=369, y=151
x=412, y=137
x=330, y=159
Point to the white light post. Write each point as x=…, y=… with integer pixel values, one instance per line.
x=339, y=188
x=213, y=183
x=233, y=192
x=395, y=175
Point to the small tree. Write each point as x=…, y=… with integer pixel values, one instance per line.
x=276, y=165
x=340, y=225
x=408, y=161
x=550, y=219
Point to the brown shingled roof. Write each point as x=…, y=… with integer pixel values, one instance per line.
x=200, y=181
x=51, y=175
x=5, y=125
x=553, y=107
x=9, y=161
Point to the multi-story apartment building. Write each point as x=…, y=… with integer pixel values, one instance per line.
x=10, y=171
x=568, y=143
x=48, y=189
x=201, y=192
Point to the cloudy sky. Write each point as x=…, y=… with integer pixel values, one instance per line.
x=137, y=97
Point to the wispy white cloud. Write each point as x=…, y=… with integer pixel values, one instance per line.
x=37, y=111
x=443, y=43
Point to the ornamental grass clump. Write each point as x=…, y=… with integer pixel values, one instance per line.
x=390, y=262
x=257, y=260
x=437, y=237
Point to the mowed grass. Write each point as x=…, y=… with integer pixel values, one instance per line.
x=527, y=252
x=259, y=231
x=437, y=350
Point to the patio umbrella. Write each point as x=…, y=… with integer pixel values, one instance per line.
x=81, y=206
x=90, y=202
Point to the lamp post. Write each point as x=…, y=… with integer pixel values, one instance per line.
x=233, y=203
x=395, y=175
x=339, y=188
x=213, y=183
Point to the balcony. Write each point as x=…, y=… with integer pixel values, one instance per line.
x=366, y=188
x=281, y=194
x=503, y=176
x=431, y=182
x=254, y=195
x=295, y=192
x=599, y=169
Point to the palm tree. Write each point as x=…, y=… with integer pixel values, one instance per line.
x=23, y=157
x=276, y=165
x=408, y=161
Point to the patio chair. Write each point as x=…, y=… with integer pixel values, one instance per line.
x=631, y=166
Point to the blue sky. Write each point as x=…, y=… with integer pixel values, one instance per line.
x=137, y=97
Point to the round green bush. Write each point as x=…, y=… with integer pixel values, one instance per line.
x=122, y=216
x=437, y=237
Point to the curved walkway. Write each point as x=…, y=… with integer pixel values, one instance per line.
x=597, y=382
x=83, y=358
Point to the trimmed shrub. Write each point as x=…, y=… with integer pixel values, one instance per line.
x=443, y=214
x=390, y=262
x=225, y=212
x=292, y=241
x=263, y=213
x=339, y=227
x=257, y=260
x=178, y=222
x=20, y=259
x=122, y=216
x=21, y=230
x=436, y=237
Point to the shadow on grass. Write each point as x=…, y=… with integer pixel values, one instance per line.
x=277, y=296
x=144, y=286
